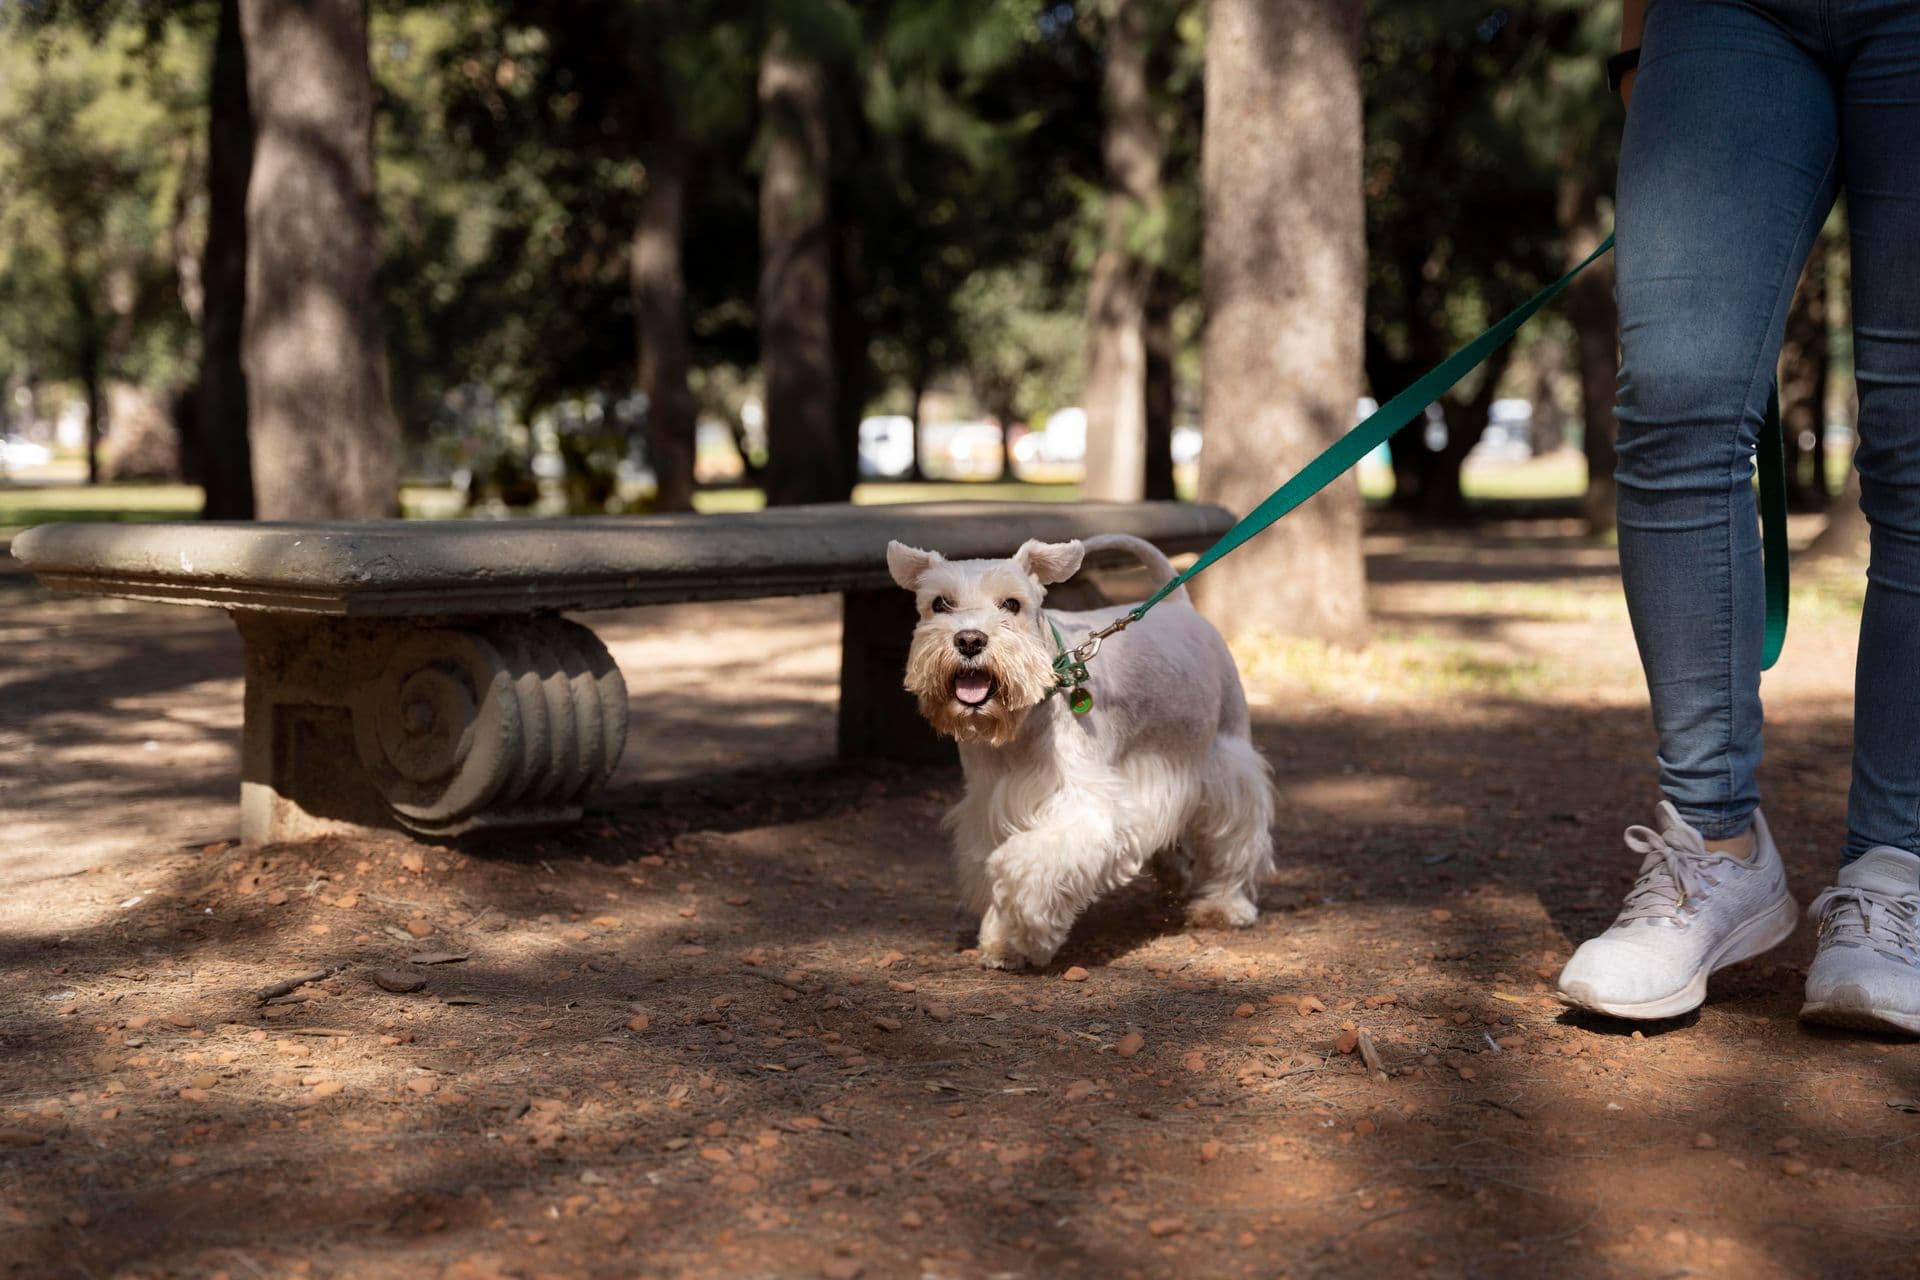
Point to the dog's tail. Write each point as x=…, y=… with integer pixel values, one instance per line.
x=1142, y=550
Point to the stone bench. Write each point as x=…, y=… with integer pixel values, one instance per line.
x=419, y=675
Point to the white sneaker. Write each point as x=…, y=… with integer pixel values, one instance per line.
x=1690, y=913
x=1867, y=971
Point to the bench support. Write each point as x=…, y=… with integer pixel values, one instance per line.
x=435, y=729
x=878, y=718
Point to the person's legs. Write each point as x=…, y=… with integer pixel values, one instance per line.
x=1867, y=970
x=1881, y=158
x=1727, y=172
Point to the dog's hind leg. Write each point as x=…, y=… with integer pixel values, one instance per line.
x=1231, y=835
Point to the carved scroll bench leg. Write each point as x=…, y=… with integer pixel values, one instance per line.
x=435, y=729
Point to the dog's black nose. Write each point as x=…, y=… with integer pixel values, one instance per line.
x=970, y=643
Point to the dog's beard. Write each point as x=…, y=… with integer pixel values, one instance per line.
x=949, y=688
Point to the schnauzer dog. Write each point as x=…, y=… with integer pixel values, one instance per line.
x=1061, y=808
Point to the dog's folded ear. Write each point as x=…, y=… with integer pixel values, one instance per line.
x=909, y=564
x=1050, y=561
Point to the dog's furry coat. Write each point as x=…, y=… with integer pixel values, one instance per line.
x=1059, y=808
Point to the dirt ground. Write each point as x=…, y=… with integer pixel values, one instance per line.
x=728, y=1026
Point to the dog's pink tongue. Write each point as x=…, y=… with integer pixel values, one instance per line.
x=972, y=688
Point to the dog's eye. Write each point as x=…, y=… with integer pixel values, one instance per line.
x=942, y=605
x=1011, y=604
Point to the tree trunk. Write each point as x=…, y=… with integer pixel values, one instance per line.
x=660, y=310
x=1160, y=397
x=90, y=356
x=325, y=439
x=226, y=470
x=1442, y=500
x=1285, y=289
x=1846, y=533
x=854, y=375
x=915, y=472
x=1548, y=430
x=1115, y=394
x=1596, y=327
x=797, y=355
x=1803, y=387
x=93, y=387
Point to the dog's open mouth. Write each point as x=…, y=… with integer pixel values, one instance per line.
x=972, y=688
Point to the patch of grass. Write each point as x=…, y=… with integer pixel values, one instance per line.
x=1544, y=602
x=1558, y=475
x=1830, y=597
x=1409, y=664
x=876, y=494
x=22, y=506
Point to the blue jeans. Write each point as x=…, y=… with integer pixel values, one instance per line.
x=1748, y=117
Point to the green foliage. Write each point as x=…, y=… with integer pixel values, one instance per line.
x=1460, y=204
x=97, y=159
x=1476, y=121
x=515, y=139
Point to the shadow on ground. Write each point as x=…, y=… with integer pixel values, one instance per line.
x=727, y=1026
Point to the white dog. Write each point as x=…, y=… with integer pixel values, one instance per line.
x=1061, y=808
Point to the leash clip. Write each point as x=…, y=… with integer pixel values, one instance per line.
x=1085, y=650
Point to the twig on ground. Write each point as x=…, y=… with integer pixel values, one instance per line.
x=1498, y=1105
x=1340, y=1239
x=1371, y=1054
x=290, y=985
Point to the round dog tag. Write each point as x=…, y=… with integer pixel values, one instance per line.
x=1080, y=699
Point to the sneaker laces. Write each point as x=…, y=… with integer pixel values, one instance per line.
x=1885, y=922
x=1671, y=878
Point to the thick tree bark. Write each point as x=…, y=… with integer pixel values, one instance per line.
x=1115, y=394
x=1596, y=327
x=660, y=309
x=797, y=355
x=1285, y=284
x=226, y=468
x=1803, y=387
x=325, y=439
x=1160, y=391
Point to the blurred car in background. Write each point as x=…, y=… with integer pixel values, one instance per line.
x=962, y=450
x=886, y=447
x=18, y=455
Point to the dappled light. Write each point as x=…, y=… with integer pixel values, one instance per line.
x=728, y=1023
x=668, y=638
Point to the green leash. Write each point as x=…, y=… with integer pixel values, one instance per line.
x=1346, y=452
x=1773, y=528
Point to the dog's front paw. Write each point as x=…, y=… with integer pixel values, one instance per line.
x=1228, y=911
x=999, y=947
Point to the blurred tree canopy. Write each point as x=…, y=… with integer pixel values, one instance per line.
x=526, y=154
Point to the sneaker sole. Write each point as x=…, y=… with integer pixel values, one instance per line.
x=1851, y=1007
x=1756, y=937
